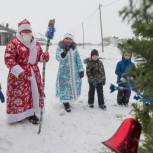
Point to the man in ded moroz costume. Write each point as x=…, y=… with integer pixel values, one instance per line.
x=24, y=86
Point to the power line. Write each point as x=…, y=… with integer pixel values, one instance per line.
x=110, y=3
x=97, y=9
x=85, y=19
x=92, y=14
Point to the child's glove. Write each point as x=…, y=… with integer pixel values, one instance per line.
x=113, y=88
x=94, y=83
x=63, y=54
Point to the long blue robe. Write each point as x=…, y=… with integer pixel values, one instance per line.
x=68, y=83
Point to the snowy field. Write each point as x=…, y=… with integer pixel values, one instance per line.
x=80, y=131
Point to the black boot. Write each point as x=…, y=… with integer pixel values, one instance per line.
x=34, y=119
x=67, y=107
x=102, y=106
x=91, y=105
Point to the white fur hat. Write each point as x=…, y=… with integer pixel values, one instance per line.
x=68, y=35
x=24, y=25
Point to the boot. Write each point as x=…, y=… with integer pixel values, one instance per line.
x=102, y=106
x=91, y=105
x=67, y=107
x=34, y=119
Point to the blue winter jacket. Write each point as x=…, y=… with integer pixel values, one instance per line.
x=123, y=67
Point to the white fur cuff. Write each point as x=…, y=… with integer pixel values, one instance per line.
x=24, y=27
x=16, y=70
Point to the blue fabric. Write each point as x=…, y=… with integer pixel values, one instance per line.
x=113, y=88
x=50, y=33
x=146, y=100
x=123, y=67
x=68, y=83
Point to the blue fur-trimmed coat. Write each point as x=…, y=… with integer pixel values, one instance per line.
x=68, y=83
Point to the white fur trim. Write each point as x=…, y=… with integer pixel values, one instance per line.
x=72, y=74
x=33, y=53
x=32, y=60
x=32, y=47
x=68, y=35
x=13, y=118
x=24, y=27
x=69, y=101
x=16, y=70
x=35, y=94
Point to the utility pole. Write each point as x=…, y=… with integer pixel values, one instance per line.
x=102, y=42
x=83, y=34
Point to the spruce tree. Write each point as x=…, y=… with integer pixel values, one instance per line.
x=139, y=14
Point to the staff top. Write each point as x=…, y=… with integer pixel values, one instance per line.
x=51, y=23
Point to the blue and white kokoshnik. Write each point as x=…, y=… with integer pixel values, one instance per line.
x=68, y=83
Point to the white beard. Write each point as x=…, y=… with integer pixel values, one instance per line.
x=27, y=38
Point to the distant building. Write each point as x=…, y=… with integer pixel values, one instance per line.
x=6, y=34
x=111, y=41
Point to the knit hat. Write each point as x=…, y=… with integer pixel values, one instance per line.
x=68, y=35
x=94, y=52
x=24, y=25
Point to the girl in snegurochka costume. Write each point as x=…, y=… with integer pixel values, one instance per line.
x=70, y=72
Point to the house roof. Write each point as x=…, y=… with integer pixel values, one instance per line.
x=4, y=29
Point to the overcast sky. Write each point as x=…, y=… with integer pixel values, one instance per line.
x=69, y=15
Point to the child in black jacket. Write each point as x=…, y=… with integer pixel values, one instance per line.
x=96, y=78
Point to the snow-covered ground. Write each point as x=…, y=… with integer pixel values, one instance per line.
x=80, y=131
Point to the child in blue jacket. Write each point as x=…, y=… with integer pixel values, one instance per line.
x=123, y=72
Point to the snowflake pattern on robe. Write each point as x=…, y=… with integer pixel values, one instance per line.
x=68, y=83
